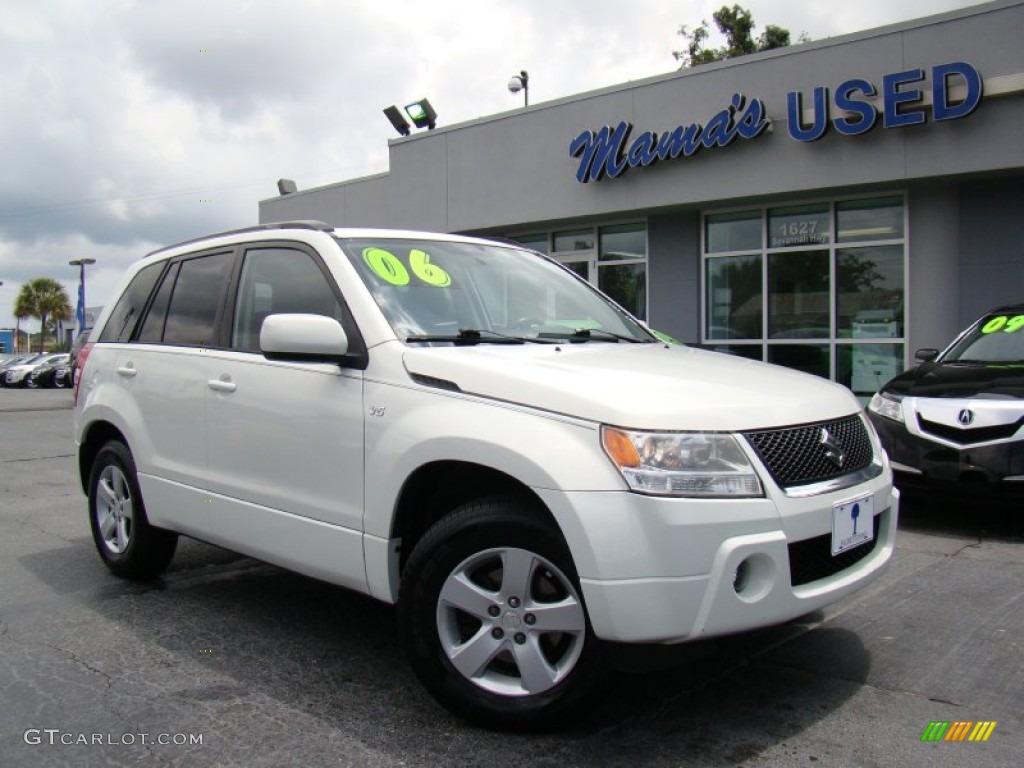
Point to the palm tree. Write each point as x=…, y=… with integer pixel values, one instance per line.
x=45, y=298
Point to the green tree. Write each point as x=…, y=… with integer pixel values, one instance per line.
x=44, y=298
x=737, y=24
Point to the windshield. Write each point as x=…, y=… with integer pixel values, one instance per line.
x=433, y=290
x=996, y=338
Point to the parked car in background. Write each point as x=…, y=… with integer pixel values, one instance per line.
x=55, y=373
x=956, y=421
x=16, y=375
x=10, y=360
x=13, y=362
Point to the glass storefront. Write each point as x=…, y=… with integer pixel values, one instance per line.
x=819, y=287
x=614, y=258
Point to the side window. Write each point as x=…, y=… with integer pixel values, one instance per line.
x=128, y=310
x=153, y=326
x=195, y=300
x=278, y=281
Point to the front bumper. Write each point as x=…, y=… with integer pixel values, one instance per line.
x=922, y=463
x=662, y=570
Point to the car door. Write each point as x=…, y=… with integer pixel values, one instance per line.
x=286, y=438
x=164, y=374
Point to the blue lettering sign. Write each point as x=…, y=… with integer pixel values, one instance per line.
x=941, y=107
x=893, y=97
x=795, y=108
x=863, y=115
x=605, y=153
x=610, y=153
x=602, y=152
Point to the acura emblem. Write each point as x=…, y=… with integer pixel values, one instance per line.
x=833, y=451
x=965, y=417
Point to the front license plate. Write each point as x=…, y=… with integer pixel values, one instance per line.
x=852, y=523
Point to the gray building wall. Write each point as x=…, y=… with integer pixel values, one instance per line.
x=673, y=274
x=990, y=246
x=513, y=169
x=964, y=178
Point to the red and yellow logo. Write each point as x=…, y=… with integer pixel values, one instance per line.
x=958, y=730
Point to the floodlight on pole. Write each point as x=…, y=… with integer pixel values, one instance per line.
x=422, y=114
x=398, y=122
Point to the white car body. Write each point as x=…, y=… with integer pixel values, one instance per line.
x=304, y=464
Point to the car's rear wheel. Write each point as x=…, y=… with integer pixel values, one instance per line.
x=493, y=620
x=128, y=544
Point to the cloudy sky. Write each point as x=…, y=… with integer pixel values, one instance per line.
x=131, y=124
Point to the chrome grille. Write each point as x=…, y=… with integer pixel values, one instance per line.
x=797, y=455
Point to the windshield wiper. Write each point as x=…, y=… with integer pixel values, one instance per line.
x=586, y=334
x=467, y=336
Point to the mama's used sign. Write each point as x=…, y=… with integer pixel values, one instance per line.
x=853, y=107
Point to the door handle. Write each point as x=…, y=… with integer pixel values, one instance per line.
x=127, y=370
x=223, y=384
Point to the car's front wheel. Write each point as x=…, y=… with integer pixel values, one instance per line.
x=493, y=620
x=128, y=544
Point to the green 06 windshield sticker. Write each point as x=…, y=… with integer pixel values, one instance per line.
x=1003, y=323
x=391, y=269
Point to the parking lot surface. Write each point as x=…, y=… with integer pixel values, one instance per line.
x=227, y=661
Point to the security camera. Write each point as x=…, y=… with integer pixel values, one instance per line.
x=515, y=84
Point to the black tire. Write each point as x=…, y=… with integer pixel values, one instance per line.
x=515, y=636
x=128, y=544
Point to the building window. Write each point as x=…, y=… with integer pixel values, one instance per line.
x=818, y=287
x=614, y=258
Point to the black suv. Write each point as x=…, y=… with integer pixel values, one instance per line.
x=956, y=421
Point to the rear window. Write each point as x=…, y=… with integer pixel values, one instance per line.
x=128, y=310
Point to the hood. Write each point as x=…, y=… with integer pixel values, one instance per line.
x=639, y=386
x=961, y=380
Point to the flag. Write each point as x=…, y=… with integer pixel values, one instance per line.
x=80, y=312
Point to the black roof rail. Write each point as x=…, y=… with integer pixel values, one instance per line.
x=313, y=224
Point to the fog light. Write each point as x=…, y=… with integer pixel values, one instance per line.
x=741, y=576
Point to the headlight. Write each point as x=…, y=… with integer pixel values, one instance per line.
x=888, y=405
x=681, y=463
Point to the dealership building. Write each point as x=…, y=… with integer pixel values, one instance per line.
x=831, y=206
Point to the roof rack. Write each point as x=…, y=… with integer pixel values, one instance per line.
x=313, y=224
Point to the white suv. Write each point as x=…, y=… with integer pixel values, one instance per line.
x=469, y=430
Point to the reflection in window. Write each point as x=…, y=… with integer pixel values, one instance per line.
x=627, y=241
x=195, y=300
x=869, y=292
x=575, y=240
x=734, y=297
x=627, y=286
x=537, y=243
x=798, y=225
x=815, y=292
x=873, y=219
x=798, y=297
x=864, y=368
x=740, y=231
x=809, y=358
x=278, y=281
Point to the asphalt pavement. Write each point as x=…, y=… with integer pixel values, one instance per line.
x=230, y=662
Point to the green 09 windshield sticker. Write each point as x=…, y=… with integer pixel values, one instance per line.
x=392, y=269
x=1004, y=324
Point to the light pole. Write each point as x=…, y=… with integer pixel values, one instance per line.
x=80, y=313
x=521, y=82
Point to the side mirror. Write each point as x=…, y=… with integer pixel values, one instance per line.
x=926, y=355
x=303, y=338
